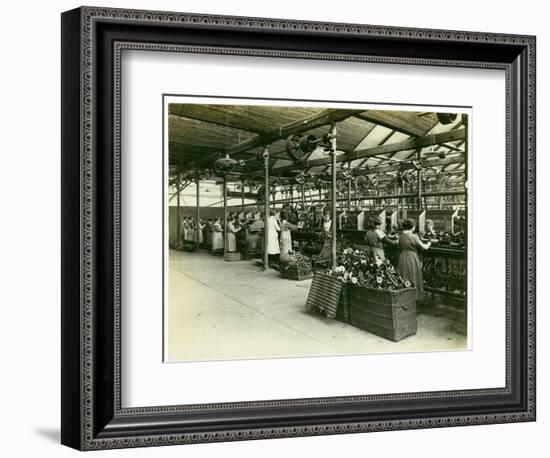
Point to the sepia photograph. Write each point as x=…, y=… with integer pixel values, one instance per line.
x=309, y=228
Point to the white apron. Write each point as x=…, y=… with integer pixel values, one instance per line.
x=217, y=237
x=286, y=237
x=231, y=239
x=184, y=231
x=272, y=236
x=201, y=234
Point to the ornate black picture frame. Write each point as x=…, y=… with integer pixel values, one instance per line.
x=92, y=415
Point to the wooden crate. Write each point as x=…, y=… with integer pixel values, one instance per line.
x=386, y=313
x=324, y=294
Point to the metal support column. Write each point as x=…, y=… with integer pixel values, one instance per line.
x=242, y=196
x=333, y=194
x=395, y=202
x=349, y=194
x=224, y=215
x=465, y=120
x=266, y=209
x=466, y=152
x=401, y=203
x=197, y=214
x=419, y=181
x=178, y=215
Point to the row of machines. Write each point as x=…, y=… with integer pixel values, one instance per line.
x=444, y=264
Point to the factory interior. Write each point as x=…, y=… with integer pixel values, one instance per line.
x=300, y=230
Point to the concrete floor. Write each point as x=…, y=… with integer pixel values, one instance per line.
x=233, y=310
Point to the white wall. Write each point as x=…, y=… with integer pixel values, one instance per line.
x=30, y=242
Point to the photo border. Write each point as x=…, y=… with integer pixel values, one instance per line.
x=335, y=104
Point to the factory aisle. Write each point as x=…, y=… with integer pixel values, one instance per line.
x=234, y=310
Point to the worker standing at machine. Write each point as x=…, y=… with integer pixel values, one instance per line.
x=327, y=223
x=375, y=238
x=232, y=228
x=190, y=230
x=286, y=237
x=410, y=266
x=200, y=229
x=184, y=229
x=273, y=230
x=217, y=236
x=208, y=230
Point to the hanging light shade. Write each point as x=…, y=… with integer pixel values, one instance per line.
x=225, y=164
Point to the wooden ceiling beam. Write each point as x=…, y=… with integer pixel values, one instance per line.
x=384, y=140
x=402, y=165
x=278, y=155
x=428, y=163
x=402, y=121
x=369, y=130
x=411, y=143
x=322, y=118
x=216, y=114
x=457, y=159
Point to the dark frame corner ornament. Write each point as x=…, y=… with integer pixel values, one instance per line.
x=92, y=416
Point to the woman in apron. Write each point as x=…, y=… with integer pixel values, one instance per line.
x=217, y=236
x=327, y=223
x=410, y=266
x=190, y=234
x=273, y=229
x=200, y=228
x=286, y=237
x=232, y=229
x=375, y=239
x=209, y=229
x=185, y=228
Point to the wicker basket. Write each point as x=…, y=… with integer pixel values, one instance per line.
x=342, y=314
x=386, y=313
x=294, y=275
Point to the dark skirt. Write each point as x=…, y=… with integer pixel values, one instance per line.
x=410, y=269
